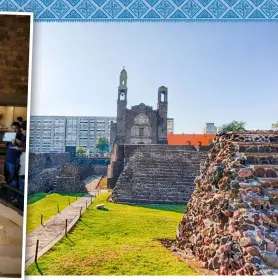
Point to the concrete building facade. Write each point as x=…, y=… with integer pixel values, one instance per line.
x=53, y=134
x=170, y=125
x=210, y=128
x=140, y=124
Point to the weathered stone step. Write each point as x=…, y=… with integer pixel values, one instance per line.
x=166, y=175
x=170, y=188
x=261, y=158
x=265, y=171
x=269, y=182
x=258, y=147
x=255, y=137
x=155, y=195
x=241, y=144
x=265, y=166
x=247, y=154
x=153, y=181
x=171, y=167
x=146, y=201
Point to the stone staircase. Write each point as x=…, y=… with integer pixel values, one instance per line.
x=262, y=158
x=55, y=183
x=158, y=174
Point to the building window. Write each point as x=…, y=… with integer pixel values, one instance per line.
x=141, y=132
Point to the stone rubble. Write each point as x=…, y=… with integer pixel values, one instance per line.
x=231, y=221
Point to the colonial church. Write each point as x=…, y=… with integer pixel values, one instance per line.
x=140, y=124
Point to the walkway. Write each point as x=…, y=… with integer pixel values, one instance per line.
x=91, y=186
x=53, y=230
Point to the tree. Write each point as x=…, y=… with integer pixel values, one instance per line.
x=81, y=151
x=233, y=126
x=275, y=126
x=211, y=142
x=102, y=144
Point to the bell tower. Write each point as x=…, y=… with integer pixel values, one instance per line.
x=162, y=111
x=121, y=107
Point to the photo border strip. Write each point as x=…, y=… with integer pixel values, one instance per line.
x=146, y=10
x=27, y=139
x=28, y=124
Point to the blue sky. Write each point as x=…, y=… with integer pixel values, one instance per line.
x=215, y=72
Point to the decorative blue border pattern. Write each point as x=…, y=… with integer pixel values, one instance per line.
x=145, y=10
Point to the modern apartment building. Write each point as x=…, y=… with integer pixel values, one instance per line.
x=210, y=128
x=53, y=134
x=170, y=125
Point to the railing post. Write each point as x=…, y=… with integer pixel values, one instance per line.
x=66, y=228
x=37, y=249
x=69, y=201
x=80, y=212
x=41, y=219
x=58, y=208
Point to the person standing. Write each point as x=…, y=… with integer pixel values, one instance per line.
x=12, y=157
x=20, y=146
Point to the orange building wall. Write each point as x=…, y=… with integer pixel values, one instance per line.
x=182, y=139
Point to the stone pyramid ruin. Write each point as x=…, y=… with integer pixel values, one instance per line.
x=231, y=222
x=158, y=174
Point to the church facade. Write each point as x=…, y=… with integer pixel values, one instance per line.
x=140, y=124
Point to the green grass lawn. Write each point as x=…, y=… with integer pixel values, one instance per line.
x=46, y=204
x=120, y=241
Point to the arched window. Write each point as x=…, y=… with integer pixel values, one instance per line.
x=122, y=96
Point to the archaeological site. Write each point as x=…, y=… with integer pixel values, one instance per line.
x=231, y=221
x=227, y=190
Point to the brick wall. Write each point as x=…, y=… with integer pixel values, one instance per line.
x=14, y=59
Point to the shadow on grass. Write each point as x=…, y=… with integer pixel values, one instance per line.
x=38, y=268
x=35, y=197
x=67, y=238
x=103, y=209
x=177, y=208
x=38, y=196
x=80, y=220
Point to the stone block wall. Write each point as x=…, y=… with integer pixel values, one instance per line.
x=43, y=170
x=59, y=173
x=69, y=184
x=100, y=170
x=43, y=182
x=39, y=162
x=156, y=173
x=14, y=59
